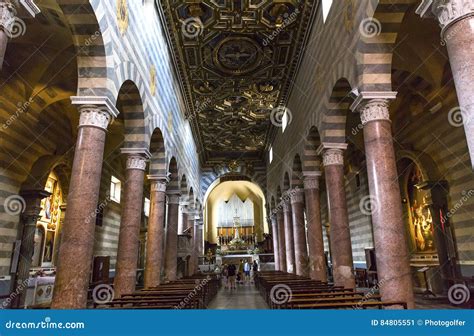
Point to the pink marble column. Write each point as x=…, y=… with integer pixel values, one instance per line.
x=276, y=254
x=77, y=243
x=7, y=17
x=171, y=252
x=155, y=236
x=391, y=249
x=456, y=18
x=299, y=231
x=129, y=236
x=341, y=247
x=315, y=229
x=289, y=242
x=281, y=237
x=29, y=217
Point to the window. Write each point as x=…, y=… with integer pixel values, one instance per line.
x=270, y=155
x=115, y=187
x=284, y=120
x=326, y=8
x=146, y=207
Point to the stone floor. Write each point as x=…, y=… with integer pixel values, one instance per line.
x=244, y=297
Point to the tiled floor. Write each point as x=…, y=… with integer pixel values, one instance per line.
x=244, y=297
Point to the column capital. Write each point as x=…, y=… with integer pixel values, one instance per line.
x=447, y=12
x=7, y=17
x=136, y=161
x=374, y=109
x=32, y=203
x=285, y=201
x=28, y=6
x=173, y=197
x=158, y=185
x=296, y=195
x=366, y=97
x=95, y=111
x=332, y=153
x=311, y=179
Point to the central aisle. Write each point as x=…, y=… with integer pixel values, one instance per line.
x=244, y=297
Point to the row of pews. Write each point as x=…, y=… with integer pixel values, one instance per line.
x=193, y=292
x=288, y=291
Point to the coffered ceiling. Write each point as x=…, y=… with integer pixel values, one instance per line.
x=236, y=60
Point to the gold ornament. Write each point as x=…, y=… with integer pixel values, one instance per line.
x=122, y=15
x=153, y=80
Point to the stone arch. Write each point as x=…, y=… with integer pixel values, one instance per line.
x=378, y=35
x=40, y=170
x=158, y=153
x=428, y=167
x=130, y=104
x=90, y=45
x=333, y=128
x=311, y=161
x=297, y=173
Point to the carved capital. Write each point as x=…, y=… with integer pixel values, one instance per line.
x=173, y=198
x=136, y=162
x=7, y=17
x=447, y=12
x=94, y=116
x=296, y=196
x=333, y=156
x=158, y=185
x=286, y=205
x=374, y=109
x=311, y=180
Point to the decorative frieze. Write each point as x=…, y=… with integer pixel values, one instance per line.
x=136, y=162
x=333, y=156
x=94, y=116
x=374, y=109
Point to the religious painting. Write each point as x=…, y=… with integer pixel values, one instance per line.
x=420, y=216
x=47, y=224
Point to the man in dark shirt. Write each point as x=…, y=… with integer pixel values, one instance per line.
x=231, y=270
